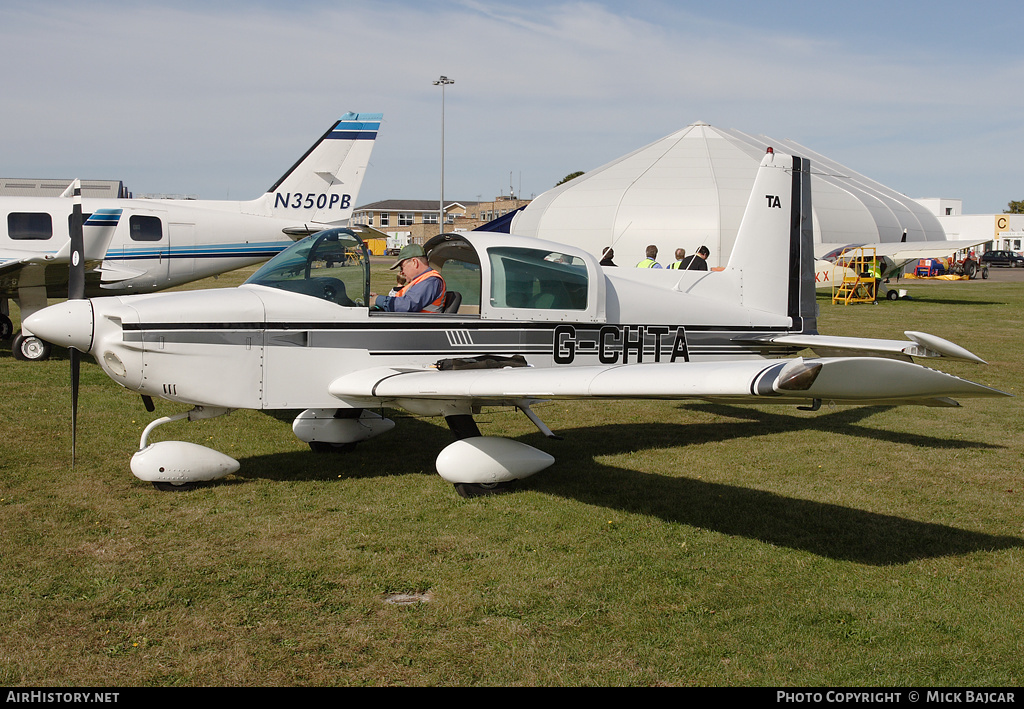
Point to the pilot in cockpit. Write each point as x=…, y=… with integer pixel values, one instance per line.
x=424, y=289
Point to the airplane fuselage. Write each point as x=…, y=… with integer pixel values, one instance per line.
x=257, y=355
x=146, y=245
x=301, y=322
x=153, y=244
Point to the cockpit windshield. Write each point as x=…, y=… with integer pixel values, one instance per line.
x=332, y=265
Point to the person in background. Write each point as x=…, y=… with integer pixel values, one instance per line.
x=697, y=261
x=396, y=289
x=607, y=255
x=680, y=255
x=652, y=258
x=875, y=272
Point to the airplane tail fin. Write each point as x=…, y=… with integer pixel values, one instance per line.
x=322, y=187
x=102, y=223
x=774, y=248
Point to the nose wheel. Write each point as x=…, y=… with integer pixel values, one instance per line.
x=176, y=487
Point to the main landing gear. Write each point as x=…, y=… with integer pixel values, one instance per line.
x=480, y=465
x=464, y=427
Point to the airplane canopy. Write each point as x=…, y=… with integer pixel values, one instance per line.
x=691, y=188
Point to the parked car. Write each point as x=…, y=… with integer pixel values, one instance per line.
x=1002, y=258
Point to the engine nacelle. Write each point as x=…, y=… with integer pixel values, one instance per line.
x=486, y=459
x=178, y=462
x=320, y=425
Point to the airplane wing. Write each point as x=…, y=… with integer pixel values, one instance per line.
x=14, y=262
x=24, y=268
x=899, y=251
x=12, y=259
x=840, y=380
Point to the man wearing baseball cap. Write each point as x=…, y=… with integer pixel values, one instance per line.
x=424, y=288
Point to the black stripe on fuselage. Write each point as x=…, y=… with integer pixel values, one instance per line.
x=435, y=324
x=564, y=341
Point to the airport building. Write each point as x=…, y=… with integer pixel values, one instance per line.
x=1002, y=232
x=31, y=187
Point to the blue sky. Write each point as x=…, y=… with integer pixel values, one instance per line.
x=218, y=99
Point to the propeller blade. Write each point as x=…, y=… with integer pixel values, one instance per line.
x=76, y=276
x=75, y=357
x=76, y=291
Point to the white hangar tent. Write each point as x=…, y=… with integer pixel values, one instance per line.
x=691, y=187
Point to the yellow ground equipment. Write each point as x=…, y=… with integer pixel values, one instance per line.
x=857, y=284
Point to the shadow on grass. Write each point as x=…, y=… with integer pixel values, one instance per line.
x=411, y=448
x=828, y=530
x=843, y=421
x=928, y=300
x=924, y=298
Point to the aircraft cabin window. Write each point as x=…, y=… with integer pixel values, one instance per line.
x=537, y=279
x=29, y=225
x=145, y=228
x=458, y=264
x=332, y=265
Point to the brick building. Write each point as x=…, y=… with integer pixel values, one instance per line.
x=418, y=219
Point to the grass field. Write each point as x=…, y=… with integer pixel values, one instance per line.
x=670, y=544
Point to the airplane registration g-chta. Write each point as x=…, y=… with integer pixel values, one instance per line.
x=146, y=245
x=524, y=321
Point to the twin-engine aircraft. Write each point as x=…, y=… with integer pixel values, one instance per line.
x=146, y=245
x=525, y=320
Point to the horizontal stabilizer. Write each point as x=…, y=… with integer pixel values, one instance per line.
x=115, y=273
x=921, y=345
x=296, y=233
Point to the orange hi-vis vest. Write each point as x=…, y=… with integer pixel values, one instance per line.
x=437, y=305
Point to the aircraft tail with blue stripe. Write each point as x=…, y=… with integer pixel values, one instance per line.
x=321, y=189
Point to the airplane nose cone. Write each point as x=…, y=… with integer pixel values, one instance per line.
x=68, y=324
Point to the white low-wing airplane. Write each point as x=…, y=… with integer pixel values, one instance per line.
x=832, y=267
x=532, y=320
x=146, y=245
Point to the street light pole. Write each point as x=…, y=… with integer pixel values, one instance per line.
x=442, y=82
